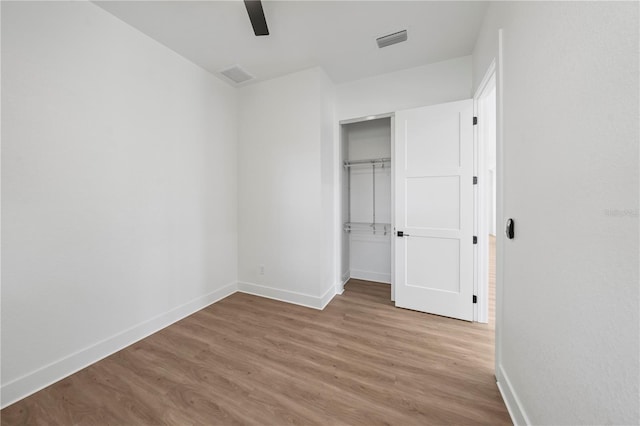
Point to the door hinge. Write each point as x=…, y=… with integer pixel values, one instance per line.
x=475, y=240
x=475, y=299
x=475, y=180
x=475, y=121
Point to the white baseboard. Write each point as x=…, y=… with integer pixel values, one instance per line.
x=315, y=302
x=340, y=286
x=371, y=276
x=328, y=296
x=516, y=411
x=57, y=370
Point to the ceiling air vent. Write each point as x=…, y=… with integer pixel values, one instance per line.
x=390, y=39
x=236, y=74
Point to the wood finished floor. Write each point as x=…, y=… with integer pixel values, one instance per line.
x=249, y=360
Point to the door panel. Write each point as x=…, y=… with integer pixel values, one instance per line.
x=434, y=209
x=432, y=263
x=422, y=212
x=440, y=143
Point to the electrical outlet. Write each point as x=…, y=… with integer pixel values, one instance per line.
x=261, y=269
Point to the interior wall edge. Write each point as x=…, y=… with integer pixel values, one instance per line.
x=45, y=376
x=346, y=276
x=328, y=296
x=510, y=398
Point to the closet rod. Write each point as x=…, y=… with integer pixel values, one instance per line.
x=367, y=227
x=372, y=161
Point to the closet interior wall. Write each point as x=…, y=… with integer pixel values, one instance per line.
x=366, y=200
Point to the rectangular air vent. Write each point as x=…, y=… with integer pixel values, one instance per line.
x=236, y=74
x=390, y=39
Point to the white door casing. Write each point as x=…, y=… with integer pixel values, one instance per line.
x=433, y=165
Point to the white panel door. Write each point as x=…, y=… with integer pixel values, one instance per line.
x=434, y=209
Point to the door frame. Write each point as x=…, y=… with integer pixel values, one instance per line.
x=496, y=67
x=481, y=252
x=500, y=201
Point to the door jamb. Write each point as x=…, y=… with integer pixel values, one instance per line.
x=500, y=202
x=481, y=252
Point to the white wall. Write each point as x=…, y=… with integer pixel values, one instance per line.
x=369, y=139
x=414, y=87
x=569, y=351
x=283, y=140
x=329, y=169
x=118, y=187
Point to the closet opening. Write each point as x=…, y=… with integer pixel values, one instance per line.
x=367, y=200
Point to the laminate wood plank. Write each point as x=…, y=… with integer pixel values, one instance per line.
x=270, y=356
x=250, y=360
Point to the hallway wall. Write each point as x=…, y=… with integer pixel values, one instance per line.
x=568, y=348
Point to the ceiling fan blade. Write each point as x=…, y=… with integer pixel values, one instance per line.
x=256, y=15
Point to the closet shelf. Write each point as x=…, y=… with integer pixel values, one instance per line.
x=367, y=162
x=384, y=228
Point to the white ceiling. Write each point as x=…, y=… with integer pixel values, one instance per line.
x=338, y=36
